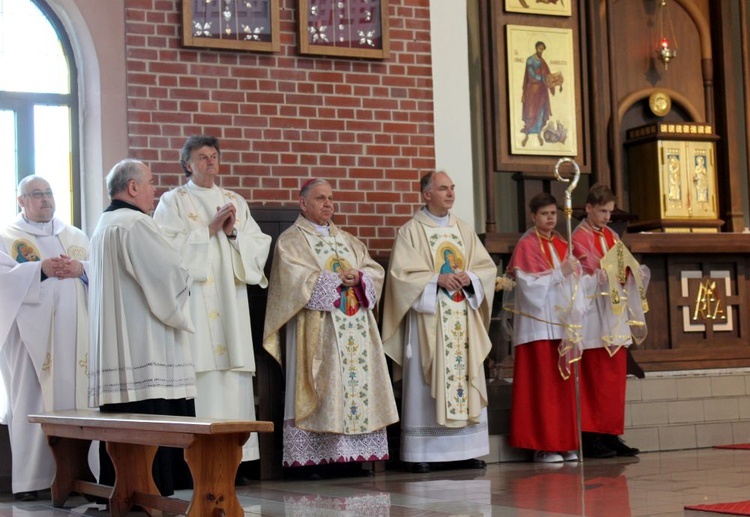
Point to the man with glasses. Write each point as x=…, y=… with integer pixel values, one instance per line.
x=43, y=329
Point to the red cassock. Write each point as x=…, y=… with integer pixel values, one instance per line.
x=543, y=415
x=603, y=378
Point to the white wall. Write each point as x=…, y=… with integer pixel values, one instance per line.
x=450, y=76
x=97, y=32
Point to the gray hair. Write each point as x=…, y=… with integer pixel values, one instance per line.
x=311, y=184
x=193, y=143
x=25, y=181
x=121, y=174
x=425, y=182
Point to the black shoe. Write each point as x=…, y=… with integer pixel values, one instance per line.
x=594, y=448
x=32, y=495
x=420, y=468
x=476, y=464
x=616, y=443
x=240, y=480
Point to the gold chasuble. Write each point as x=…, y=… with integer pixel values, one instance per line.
x=342, y=390
x=453, y=342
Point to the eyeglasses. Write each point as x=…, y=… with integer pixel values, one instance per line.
x=39, y=194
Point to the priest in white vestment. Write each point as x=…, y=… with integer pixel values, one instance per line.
x=323, y=290
x=224, y=250
x=140, y=359
x=43, y=329
x=438, y=301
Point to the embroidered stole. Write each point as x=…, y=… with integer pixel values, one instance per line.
x=452, y=361
x=352, y=330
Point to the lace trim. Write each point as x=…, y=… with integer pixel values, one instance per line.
x=369, y=288
x=303, y=448
x=325, y=293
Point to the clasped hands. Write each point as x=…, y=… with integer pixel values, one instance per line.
x=223, y=220
x=349, y=277
x=62, y=267
x=454, y=281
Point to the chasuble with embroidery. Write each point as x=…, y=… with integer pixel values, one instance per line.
x=339, y=397
x=440, y=338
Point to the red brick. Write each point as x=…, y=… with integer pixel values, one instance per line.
x=367, y=125
x=364, y=220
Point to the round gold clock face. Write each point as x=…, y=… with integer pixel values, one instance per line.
x=660, y=103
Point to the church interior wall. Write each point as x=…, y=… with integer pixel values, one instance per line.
x=371, y=126
x=367, y=125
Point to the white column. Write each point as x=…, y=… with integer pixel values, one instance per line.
x=450, y=79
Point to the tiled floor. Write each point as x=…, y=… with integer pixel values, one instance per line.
x=656, y=484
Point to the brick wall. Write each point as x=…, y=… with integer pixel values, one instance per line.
x=281, y=118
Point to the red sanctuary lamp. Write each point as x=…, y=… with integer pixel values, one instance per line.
x=664, y=52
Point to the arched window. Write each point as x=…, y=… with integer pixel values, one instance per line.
x=38, y=107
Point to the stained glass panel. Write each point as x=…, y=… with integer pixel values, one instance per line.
x=354, y=28
x=231, y=24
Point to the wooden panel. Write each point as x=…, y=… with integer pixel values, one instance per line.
x=684, y=243
x=676, y=341
x=501, y=94
x=269, y=381
x=635, y=40
x=657, y=318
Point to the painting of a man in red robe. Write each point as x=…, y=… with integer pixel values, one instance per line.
x=538, y=84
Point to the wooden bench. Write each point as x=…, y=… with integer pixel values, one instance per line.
x=213, y=451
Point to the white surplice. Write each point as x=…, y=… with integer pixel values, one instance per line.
x=138, y=309
x=222, y=345
x=43, y=341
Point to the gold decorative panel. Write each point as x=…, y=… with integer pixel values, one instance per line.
x=709, y=303
x=672, y=178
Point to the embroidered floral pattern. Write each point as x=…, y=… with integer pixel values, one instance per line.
x=456, y=349
x=447, y=248
x=352, y=331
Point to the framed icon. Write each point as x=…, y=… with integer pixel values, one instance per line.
x=541, y=91
x=549, y=7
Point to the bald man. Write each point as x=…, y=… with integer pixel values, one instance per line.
x=43, y=329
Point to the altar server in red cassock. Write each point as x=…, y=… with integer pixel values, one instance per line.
x=607, y=331
x=546, y=312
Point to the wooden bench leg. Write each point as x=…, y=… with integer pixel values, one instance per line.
x=133, y=464
x=213, y=462
x=71, y=464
